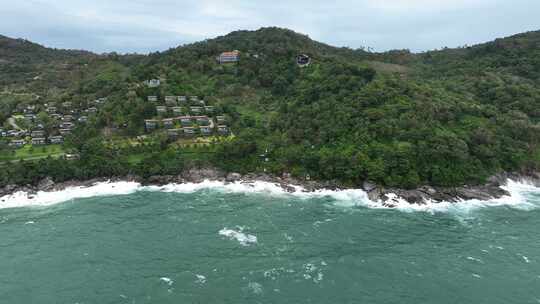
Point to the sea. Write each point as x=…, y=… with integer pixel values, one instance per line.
x=255, y=243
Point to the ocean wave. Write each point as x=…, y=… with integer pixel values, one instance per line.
x=23, y=199
x=243, y=238
x=520, y=195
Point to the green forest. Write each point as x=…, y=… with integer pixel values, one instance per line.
x=446, y=117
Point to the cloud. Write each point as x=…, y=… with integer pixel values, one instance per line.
x=150, y=25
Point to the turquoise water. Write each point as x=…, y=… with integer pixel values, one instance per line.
x=217, y=247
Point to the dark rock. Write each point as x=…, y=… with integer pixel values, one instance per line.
x=375, y=194
x=199, y=175
x=233, y=177
x=369, y=186
x=46, y=184
x=161, y=180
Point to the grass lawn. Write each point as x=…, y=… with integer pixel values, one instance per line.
x=29, y=153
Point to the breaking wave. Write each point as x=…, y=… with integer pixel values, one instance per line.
x=521, y=195
x=23, y=199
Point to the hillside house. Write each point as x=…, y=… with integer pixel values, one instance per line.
x=182, y=98
x=56, y=116
x=151, y=124
x=171, y=103
x=177, y=110
x=209, y=109
x=64, y=132
x=17, y=143
x=67, y=118
x=67, y=104
x=37, y=133
x=161, y=110
x=72, y=156
x=186, y=121
x=168, y=123
x=229, y=57
x=303, y=60
x=92, y=110
x=221, y=119
x=152, y=83
x=196, y=110
x=189, y=131
x=83, y=119
x=51, y=110
x=67, y=125
x=174, y=133
x=223, y=130
x=194, y=98
x=203, y=121
x=170, y=98
x=206, y=130
x=56, y=139
x=38, y=141
x=152, y=98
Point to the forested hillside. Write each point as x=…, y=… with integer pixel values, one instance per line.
x=447, y=117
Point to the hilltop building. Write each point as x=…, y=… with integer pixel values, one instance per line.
x=228, y=57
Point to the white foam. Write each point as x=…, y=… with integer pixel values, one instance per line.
x=243, y=238
x=518, y=198
x=23, y=199
x=200, y=279
x=166, y=280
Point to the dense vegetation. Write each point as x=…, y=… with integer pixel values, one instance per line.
x=443, y=118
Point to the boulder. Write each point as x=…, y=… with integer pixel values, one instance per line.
x=46, y=184
x=233, y=177
x=369, y=186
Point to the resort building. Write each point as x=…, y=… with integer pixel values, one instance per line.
x=152, y=83
x=206, y=131
x=223, y=130
x=56, y=139
x=161, y=110
x=39, y=141
x=168, y=123
x=151, y=124
x=186, y=121
x=174, y=133
x=170, y=98
x=177, y=110
x=64, y=132
x=221, y=119
x=67, y=125
x=189, y=131
x=196, y=110
x=203, y=121
x=37, y=133
x=229, y=57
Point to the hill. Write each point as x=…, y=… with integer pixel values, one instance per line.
x=444, y=118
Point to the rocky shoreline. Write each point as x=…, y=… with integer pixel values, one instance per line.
x=491, y=190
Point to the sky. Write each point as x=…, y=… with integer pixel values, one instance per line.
x=143, y=26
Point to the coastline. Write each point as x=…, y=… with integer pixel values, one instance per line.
x=389, y=197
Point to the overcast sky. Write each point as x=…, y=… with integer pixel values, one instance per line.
x=152, y=25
